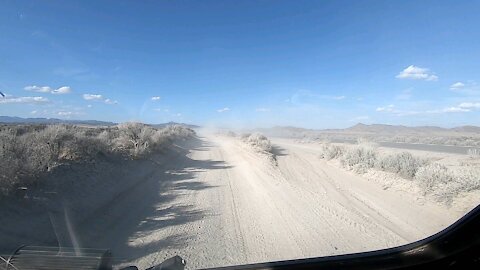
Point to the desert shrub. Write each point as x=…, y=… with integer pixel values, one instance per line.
x=360, y=158
x=404, y=164
x=468, y=179
x=258, y=141
x=444, y=184
x=12, y=154
x=331, y=151
x=134, y=138
x=473, y=153
x=177, y=131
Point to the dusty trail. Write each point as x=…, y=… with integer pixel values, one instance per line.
x=225, y=204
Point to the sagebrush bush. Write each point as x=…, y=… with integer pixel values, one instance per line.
x=473, y=153
x=404, y=164
x=29, y=152
x=444, y=184
x=331, y=151
x=431, y=176
x=360, y=158
x=434, y=179
x=258, y=141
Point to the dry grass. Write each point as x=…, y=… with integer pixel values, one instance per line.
x=29, y=152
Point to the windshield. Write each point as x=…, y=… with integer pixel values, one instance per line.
x=235, y=132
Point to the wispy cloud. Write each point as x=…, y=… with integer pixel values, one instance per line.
x=75, y=73
x=455, y=109
x=405, y=95
x=470, y=105
x=156, y=98
x=48, y=89
x=39, y=89
x=417, y=73
x=62, y=90
x=469, y=88
x=337, y=97
x=98, y=97
x=262, y=109
x=92, y=97
x=457, y=86
x=63, y=113
x=461, y=108
x=388, y=108
x=110, y=102
x=27, y=100
x=360, y=118
x=308, y=97
x=226, y=109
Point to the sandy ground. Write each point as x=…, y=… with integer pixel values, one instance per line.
x=223, y=203
x=235, y=206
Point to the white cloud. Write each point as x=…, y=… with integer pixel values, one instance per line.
x=30, y=100
x=110, y=102
x=68, y=114
x=62, y=90
x=48, y=89
x=463, y=107
x=89, y=106
x=97, y=97
x=405, y=95
x=92, y=97
x=455, y=109
x=310, y=95
x=65, y=113
x=34, y=112
x=457, y=86
x=389, y=108
x=417, y=73
x=226, y=109
x=262, y=109
x=469, y=105
x=40, y=89
x=156, y=98
x=468, y=88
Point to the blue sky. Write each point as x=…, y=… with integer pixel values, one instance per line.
x=315, y=64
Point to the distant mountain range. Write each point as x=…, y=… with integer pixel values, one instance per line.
x=288, y=131
x=20, y=120
x=379, y=128
x=174, y=123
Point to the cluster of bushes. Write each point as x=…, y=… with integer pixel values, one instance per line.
x=433, y=178
x=258, y=142
x=444, y=184
x=28, y=153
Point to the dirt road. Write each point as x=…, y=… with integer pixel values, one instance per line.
x=226, y=204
